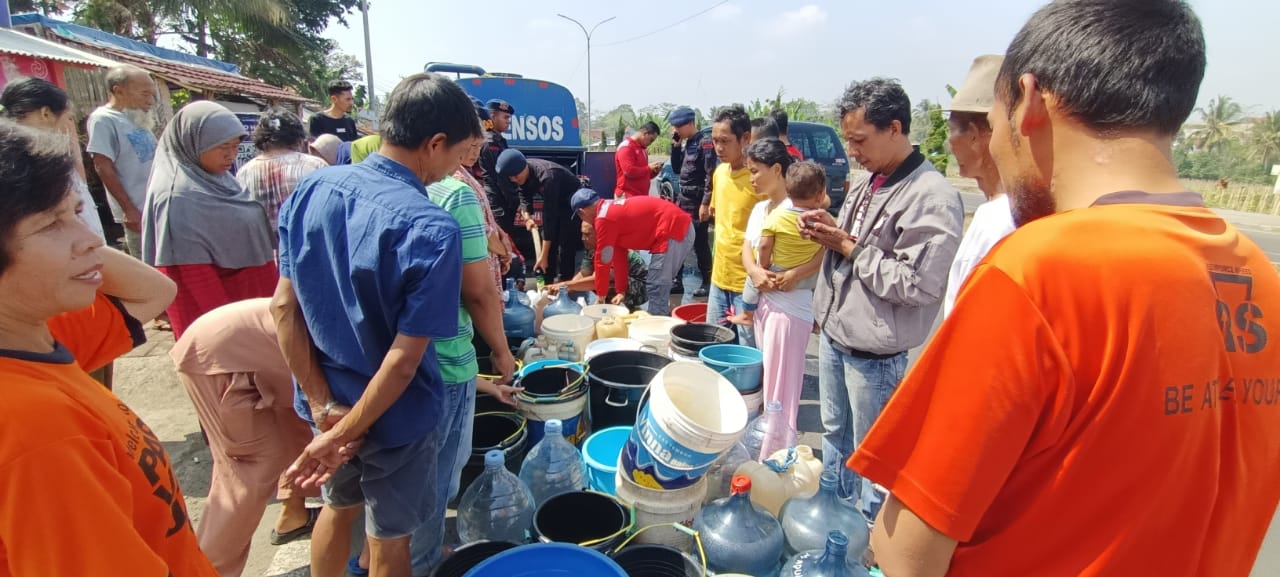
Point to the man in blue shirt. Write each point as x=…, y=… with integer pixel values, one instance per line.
x=370, y=271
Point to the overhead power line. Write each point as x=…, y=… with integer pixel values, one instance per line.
x=667, y=27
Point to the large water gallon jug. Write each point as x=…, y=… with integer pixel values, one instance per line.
x=830, y=561
x=610, y=328
x=788, y=473
x=517, y=317
x=563, y=305
x=511, y=288
x=497, y=506
x=553, y=466
x=738, y=536
x=806, y=521
x=777, y=432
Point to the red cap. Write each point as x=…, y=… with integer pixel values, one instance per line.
x=741, y=484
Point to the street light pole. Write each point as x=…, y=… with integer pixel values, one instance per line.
x=588, y=35
x=368, y=62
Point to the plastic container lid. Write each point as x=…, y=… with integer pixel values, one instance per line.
x=741, y=484
x=553, y=427
x=494, y=459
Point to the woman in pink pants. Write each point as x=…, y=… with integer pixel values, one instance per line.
x=783, y=319
x=232, y=368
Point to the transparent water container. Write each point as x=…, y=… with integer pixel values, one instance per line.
x=517, y=315
x=740, y=537
x=553, y=466
x=807, y=521
x=830, y=561
x=563, y=305
x=497, y=506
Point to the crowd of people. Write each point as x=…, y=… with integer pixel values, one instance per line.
x=1100, y=398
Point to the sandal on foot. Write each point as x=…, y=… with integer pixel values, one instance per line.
x=300, y=532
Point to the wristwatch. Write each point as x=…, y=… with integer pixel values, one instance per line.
x=324, y=412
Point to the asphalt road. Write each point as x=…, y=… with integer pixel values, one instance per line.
x=1263, y=229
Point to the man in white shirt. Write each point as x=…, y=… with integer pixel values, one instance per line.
x=970, y=140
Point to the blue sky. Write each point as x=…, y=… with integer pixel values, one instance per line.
x=746, y=49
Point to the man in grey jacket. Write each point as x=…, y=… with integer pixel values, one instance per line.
x=884, y=274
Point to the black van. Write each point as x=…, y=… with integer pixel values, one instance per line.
x=817, y=142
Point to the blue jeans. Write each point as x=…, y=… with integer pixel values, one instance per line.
x=853, y=391
x=459, y=410
x=719, y=301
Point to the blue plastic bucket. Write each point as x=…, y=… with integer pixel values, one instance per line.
x=601, y=451
x=553, y=391
x=743, y=366
x=548, y=560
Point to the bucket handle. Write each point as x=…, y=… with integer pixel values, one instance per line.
x=697, y=538
x=631, y=524
x=608, y=399
x=649, y=348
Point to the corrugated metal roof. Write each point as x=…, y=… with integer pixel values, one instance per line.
x=15, y=42
x=88, y=34
x=195, y=77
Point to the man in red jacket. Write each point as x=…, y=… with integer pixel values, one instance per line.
x=638, y=223
x=632, y=162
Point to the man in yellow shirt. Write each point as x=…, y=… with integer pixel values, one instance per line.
x=731, y=200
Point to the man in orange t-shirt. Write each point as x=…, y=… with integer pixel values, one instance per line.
x=1105, y=397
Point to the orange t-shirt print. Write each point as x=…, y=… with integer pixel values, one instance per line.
x=1104, y=400
x=86, y=488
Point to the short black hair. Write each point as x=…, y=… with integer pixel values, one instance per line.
x=338, y=87
x=35, y=175
x=764, y=127
x=1113, y=64
x=650, y=127
x=882, y=101
x=739, y=122
x=278, y=127
x=779, y=116
x=26, y=95
x=770, y=151
x=424, y=105
x=805, y=180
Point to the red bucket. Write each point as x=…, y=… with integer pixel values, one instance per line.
x=691, y=313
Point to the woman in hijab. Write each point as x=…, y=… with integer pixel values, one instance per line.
x=199, y=227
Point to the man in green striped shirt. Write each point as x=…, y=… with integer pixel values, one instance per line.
x=480, y=311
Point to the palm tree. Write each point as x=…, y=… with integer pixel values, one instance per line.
x=1264, y=139
x=1218, y=118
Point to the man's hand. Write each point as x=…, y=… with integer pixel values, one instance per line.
x=704, y=213
x=133, y=219
x=542, y=263
x=506, y=394
x=504, y=263
x=618, y=299
x=655, y=166
x=317, y=463
x=812, y=217
x=505, y=365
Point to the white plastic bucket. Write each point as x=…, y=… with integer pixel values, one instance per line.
x=600, y=346
x=570, y=412
x=654, y=507
x=653, y=331
x=568, y=335
x=673, y=355
x=694, y=414
x=755, y=402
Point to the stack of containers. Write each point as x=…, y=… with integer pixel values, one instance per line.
x=693, y=416
x=687, y=340
x=742, y=366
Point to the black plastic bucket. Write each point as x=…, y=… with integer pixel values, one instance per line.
x=465, y=558
x=503, y=431
x=689, y=338
x=584, y=518
x=551, y=381
x=618, y=380
x=655, y=561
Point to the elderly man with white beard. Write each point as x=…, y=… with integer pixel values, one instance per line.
x=123, y=146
